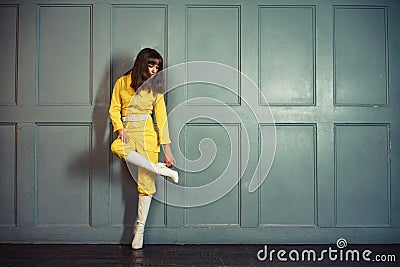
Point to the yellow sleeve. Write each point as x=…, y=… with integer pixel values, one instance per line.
x=116, y=106
x=161, y=118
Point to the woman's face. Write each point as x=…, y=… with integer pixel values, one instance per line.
x=153, y=69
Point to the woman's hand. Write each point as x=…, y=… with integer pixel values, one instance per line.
x=123, y=136
x=168, y=157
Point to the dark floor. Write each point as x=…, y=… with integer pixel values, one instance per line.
x=194, y=255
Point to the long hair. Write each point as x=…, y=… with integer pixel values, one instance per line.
x=140, y=72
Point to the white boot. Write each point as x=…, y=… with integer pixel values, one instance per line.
x=158, y=168
x=143, y=211
x=162, y=169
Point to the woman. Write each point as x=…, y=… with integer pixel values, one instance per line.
x=136, y=96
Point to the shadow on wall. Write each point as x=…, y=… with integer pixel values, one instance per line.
x=125, y=211
x=114, y=193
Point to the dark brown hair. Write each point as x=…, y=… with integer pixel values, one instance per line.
x=140, y=72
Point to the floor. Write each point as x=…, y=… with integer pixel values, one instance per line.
x=196, y=255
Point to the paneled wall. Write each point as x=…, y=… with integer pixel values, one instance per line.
x=326, y=69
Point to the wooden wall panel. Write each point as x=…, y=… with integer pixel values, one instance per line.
x=287, y=54
x=63, y=174
x=363, y=181
x=288, y=196
x=361, y=75
x=225, y=161
x=8, y=178
x=131, y=31
x=9, y=15
x=222, y=45
x=64, y=51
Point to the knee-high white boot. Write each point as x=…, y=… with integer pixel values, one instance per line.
x=158, y=168
x=143, y=211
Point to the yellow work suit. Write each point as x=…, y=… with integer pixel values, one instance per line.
x=132, y=111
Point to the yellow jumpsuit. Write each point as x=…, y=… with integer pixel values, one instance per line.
x=144, y=138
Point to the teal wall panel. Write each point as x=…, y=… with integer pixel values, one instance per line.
x=64, y=45
x=8, y=176
x=9, y=52
x=288, y=197
x=222, y=44
x=362, y=177
x=225, y=211
x=63, y=184
x=122, y=195
x=132, y=30
x=360, y=74
x=287, y=54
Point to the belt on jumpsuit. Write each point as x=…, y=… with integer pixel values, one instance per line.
x=140, y=117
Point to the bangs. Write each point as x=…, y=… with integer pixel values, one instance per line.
x=154, y=58
x=153, y=61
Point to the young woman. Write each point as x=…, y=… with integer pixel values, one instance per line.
x=136, y=96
